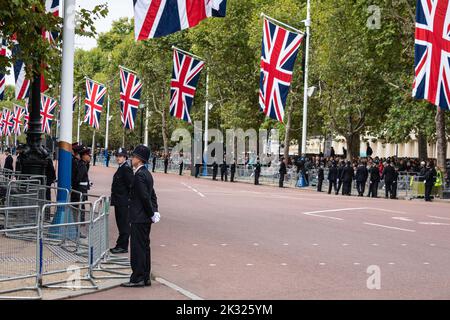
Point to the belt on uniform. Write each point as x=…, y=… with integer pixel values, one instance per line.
x=83, y=183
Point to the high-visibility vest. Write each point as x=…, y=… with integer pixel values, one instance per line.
x=438, y=182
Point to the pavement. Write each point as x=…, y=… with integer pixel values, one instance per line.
x=222, y=240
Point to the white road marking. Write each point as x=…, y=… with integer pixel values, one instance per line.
x=249, y=264
x=345, y=244
x=174, y=265
x=375, y=244
x=386, y=210
x=402, y=219
x=285, y=244
x=335, y=210
x=256, y=244
x=436, y=217
x=404, y=244
x=322, y=263
x=434, y=223
x=195, y=190
x=184, y=292
x=162, y=245
x=212, y=264
x=356, y=263
x=315, y=244
x=195, y=244
x=391, y=263
x=284, y=264
x=432, y=244
x=223, y=244
x=426, y=263
x=320, y=216
x=388, y=227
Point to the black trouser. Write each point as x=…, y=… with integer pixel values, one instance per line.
x=197, y=171
x=140, y=252
x=428, y=189
x=224, y=174
x=319, y=185
x=388, y=189
x=232, y=176
x=48, y=194
x=347, y=188
x=369, y=193
x=214, y=175
x=181, y=169
x=165, y=167
x=153, y=165
x=339, y=185
x=280, y=183
x=374, y=189
x=361, y=187
x=331, y=184
x=123, y=224
x=256, y=178
x=394, y=190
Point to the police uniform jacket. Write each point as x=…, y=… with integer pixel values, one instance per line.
x=121, y=185
x=388, y=174
x=9, y=162
x=347, y=174
x=430, y=176
x=82, y=177
x=374, y=174
x=143, y=200
x=333, y=173
x=283, y=168
x=361, y=173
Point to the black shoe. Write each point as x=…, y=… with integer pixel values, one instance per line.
x=133, y=284
x=148, y=283
x=118, y=250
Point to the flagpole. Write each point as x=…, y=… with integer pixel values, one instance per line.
x=205, y=154
x=107, y=128
x=305, y=89
x=188, y=53
x=281, y=23
x=147, y=115
x=93, y=143
x=65, y=141
x=78, y=120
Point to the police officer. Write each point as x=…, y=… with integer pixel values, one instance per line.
x=257, y=171
x=197, y=169
x=332, y=177
x=120, y=192
x=181, y=164
x=388, y=176
x=82, y=178
x=340, y=168
x=320, y=178
x=233, y=170
x=143, y=212
x=154, y=162
x=394, y=184
x=166, y=162
x=430, y=180
x=361, y=178
x=9, y=161
x=282, y=171
x=347, y=178
x=224, y=171
x=215, y=168
x=374, y=179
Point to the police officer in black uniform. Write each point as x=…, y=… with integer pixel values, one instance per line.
x=215, y=168
x=347, y=178
x=120, y=193
x=332, y=177
x=361, y=178
x=340, y=168
x=430, y=180
x=282, y=171
x=224, y=171
x=257, y=172
x=320, y=178
x=9, y=161
x=74, y=197
x=153, y=162
x=181, y=164
x=166, y=162
x=388, y=176
x=233, y=170
x=374, y=179
x=82, y=183
x=143, y=212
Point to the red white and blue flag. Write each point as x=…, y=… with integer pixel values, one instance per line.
x=26, y=118
x=432, y=52
x=185, y=76
x=7, y=123
x=74, y=103
x=22, y=83
x=130, y=95
x=95, y=95
x=51, y=6
x=279, y=51
x=158, y=18
x=48, y=108
x=2, y=75
x=19, y=112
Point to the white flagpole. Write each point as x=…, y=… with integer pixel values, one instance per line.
x=147, y=115
x=78, y=121
x=305, y=93
x=107, y=126
x=205, y=154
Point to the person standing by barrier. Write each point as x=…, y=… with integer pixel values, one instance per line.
x=74, y=197
x=9, y=161
x=347, y=178
x=166, y=162
x=153, y=162
x=320, y=178
x=120, y=192
x=340, y=169
x=82, y=178
x=395, y=183
x=233, y=170
x=429, y=180
x=257, y=172
x=332, y=177
x=215, y=169
x=197, y=169
x=50, y=178
x=361, y=178
x=224, y=171
x=143, y=212
x=282, y=172
x=181, y=164
x=374, y=180
x=388, y=177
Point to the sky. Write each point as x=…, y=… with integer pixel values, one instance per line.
x=117, y=9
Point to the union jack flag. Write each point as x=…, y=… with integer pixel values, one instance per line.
x=279, y=52
x=74, y=103
x=19, y=112
x=158, y=18
x=48, y=108
x=51, y=6
x=2, y=75
x=95, y=94
x=22, y=83
x=432, y=52
x=7, y=123
x=185, y=76
x=130, y=95
x=26, y=118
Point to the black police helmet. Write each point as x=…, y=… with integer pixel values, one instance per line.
x=142, y=152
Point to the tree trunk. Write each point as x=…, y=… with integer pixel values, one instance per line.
x=422, y=144
x=441, y=140
x=353, y=145
x=287, y=136
x=164, y=131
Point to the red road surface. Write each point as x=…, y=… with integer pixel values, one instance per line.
x=222, y=240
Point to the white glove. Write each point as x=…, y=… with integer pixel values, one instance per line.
x=156, y=217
